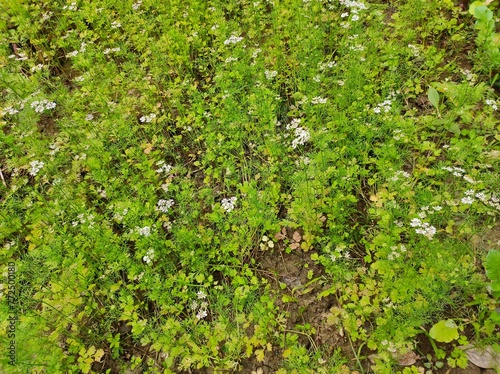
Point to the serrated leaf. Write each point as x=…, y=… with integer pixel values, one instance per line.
x=433, y=96
x=259, y=354
x=444, y=331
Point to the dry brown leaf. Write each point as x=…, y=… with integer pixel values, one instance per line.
x=408, y=359
x=484, y=357
x=295, y=245
x=281, y=235
x=296, y=236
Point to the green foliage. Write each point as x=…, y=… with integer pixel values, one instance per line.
x=166, y=169
x=444, y=331
x=492, y=266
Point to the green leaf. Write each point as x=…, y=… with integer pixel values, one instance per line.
x=492, y=266
x=482, y=13
x=473, y=6
x=444, y=331
x=433, y=96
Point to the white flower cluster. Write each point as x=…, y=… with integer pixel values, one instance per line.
x=35, y=167
x=396, y=252
x=81, y=219
x=470, y=76
x=119, y=216
x=318, y=100
x=21, y=56
x=423, y=228
x=357, y=47
x=136, y=5
x=147, y=118
x=9, y=110
x=163, y=168
x=301, y=134
x=230, y=59
x=425, y=210
x=492, y=104
x=72, y=6
x=107, y=51
x=256, y=52
x=471, y=196
x=143, y=231
x=148, y=258
x=202, y=307
x=228, y=204
x=37, y=67
x=233, y=39
x=75, y=52
x=270, y=74
x=115, y=24
x=164, y=205
x=355, y=7
x=386, y=105
x=42, y=105
x=414, y=50
x=324, y=65
x=400, y=173
x=266, y=243
x=459, y=172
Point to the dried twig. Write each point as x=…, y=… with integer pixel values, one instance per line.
x=1, y=176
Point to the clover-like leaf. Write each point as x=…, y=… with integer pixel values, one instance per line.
x=444, y=331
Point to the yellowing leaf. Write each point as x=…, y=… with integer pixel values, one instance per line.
x=287, y=352
x=98, y=355
x=259, y=354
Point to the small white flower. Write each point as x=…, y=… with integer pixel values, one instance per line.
x=35, y=167
x=163, y=168
x=415, y=222
x=201, y=295
x=469, y=193
x=467, y=200
x=344, y=15
x=202, y=313
x=136, y=5
x=164, y=205
x=115, y=24
x=89, y=117
x=148, y=258
x=318, y=100
x=481, y=196
x=72, y=54
x=147, y=118
x=228, y=204
x=469, y=179
x=270, y=75
x=144, y=231
x=233, y=39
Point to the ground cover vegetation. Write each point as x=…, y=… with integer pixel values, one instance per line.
x=286, y=186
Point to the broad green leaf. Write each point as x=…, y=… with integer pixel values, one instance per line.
x=433, y=96
x=444, y=331
x=492, y=266
x=474, y=5
x=482, y=13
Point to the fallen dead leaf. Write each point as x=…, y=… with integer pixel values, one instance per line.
x=484, y=357
x=408, y=359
